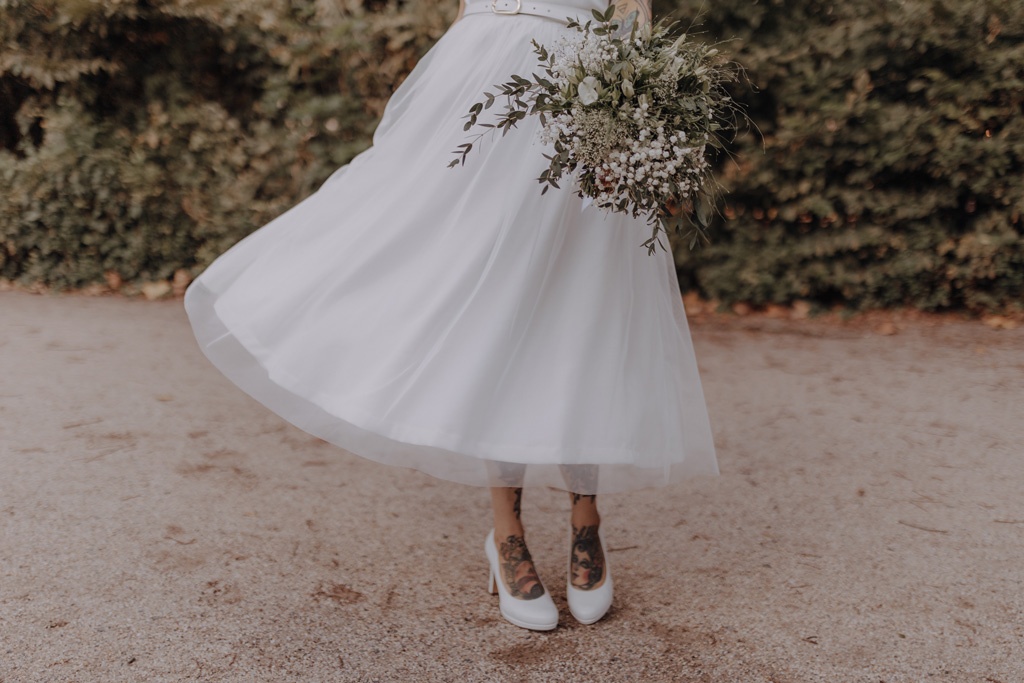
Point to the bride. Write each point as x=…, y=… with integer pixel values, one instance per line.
x=458, y=322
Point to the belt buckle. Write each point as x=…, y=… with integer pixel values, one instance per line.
x=494, y=8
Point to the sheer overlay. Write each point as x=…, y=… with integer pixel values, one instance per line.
x=454, y=320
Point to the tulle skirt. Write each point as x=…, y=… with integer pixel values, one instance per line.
x=454, y=320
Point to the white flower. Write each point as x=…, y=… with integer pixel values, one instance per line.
x=588, y=90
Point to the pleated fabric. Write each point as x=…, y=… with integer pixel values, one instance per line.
x=454, y=320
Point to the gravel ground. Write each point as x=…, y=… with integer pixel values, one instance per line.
x=156, y=524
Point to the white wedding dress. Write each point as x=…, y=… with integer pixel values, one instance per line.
x=449, y=319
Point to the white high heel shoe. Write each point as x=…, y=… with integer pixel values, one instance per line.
x=588, y=606
x=536, y=614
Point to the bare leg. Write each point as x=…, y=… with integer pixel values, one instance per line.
x=507, y=504
x=587, y=554
x=517, y=570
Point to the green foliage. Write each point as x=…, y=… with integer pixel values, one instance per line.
x=140, y=137
x=137, y=138
x=891, y=168
x=600, y=95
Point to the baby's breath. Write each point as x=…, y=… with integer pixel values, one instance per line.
x=632, y=118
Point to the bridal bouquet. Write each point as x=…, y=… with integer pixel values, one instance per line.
x=632, y=116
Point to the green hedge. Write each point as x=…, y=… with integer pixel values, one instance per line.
x=140, y=138
x=891, y=168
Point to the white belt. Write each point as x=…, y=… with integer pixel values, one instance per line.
x=551, y=10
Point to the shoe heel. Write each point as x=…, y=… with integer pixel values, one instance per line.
x=492, y=586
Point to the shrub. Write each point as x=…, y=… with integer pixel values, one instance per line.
x=891, y=167
x=141, y=137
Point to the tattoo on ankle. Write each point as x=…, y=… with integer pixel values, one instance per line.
x=518, y=570
x=587, y=557
x=517, y=506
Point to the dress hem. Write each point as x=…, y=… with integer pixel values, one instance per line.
x=236, y=355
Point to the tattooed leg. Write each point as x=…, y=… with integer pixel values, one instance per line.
x=581, y=482
x=587, y=554
x=587, y=559
x=587, y=564
x=507, y=497
x=508, y=510
x=517, y=570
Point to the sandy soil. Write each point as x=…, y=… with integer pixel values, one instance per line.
x=156, y=524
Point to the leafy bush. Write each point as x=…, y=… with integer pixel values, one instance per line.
x=142, y=137
x=891, y=168
x=139, y=138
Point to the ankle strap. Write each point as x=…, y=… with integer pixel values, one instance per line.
x=551, y=10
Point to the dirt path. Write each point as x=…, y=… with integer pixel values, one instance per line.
x=156, y=524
